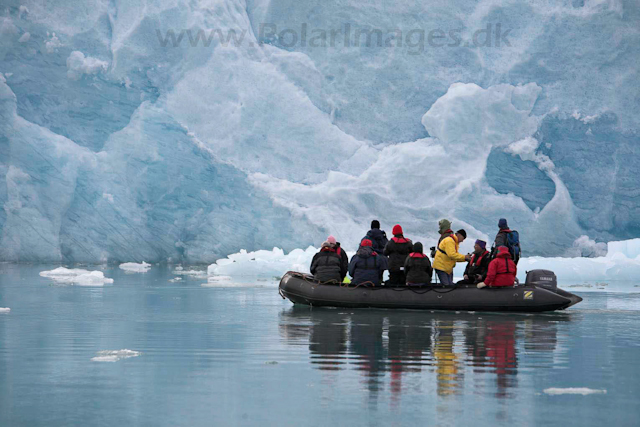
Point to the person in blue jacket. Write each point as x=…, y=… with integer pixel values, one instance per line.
x=378, y=237
x=367, y=265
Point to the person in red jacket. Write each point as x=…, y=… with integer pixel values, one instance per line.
x=502, y=270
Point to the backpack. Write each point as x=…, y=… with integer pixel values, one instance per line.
x=513, y=243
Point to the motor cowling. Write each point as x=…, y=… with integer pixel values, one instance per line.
x=543, y=279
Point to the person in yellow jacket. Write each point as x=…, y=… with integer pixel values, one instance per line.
x=447, y=255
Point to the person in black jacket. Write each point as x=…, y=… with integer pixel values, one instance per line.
x=478, y=266
x=417, y=267
x=331, y=263
x=378, y=237
x=503, y=239
x=397, y=250
x=367, y=266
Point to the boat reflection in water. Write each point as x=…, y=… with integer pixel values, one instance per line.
x=438, y=348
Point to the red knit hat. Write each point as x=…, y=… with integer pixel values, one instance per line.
x=365, y=242
x=397, y=229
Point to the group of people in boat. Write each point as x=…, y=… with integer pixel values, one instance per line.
x=409, y=265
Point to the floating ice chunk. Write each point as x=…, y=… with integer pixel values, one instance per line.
x=78, y=64
x=4, y=310
x=242, y=282
x=573, y=390
x=220, y=279
x=175, y=279
x=133, y=267
x=24, y=38
x=199, y=274
x=76, y=276
x=114, y=355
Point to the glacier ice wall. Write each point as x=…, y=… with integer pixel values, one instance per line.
x=119, y=143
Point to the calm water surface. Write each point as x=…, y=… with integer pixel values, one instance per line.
x=243, y=356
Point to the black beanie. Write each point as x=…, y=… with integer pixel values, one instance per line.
x=462, y=233
x=375, y=224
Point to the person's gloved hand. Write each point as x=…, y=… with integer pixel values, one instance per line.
x=481, y=285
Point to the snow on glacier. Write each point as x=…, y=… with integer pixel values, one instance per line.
x=116, y=148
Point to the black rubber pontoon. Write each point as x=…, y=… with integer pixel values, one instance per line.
x=303, y=289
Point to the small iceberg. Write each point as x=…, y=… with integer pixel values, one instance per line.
x=134, y=267
x=198, y=274
x=76, y=276
x=573, y=390
x=114, y=355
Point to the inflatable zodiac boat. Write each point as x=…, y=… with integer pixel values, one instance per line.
x=539, y=293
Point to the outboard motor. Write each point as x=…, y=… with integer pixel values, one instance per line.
x=543, y=279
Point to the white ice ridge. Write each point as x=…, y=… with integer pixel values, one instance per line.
x=573, y=390
x=263, y=263
x=622, y=263
x=4, y=310
x=76, y=276
x=134, y=267
x=114, y=355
